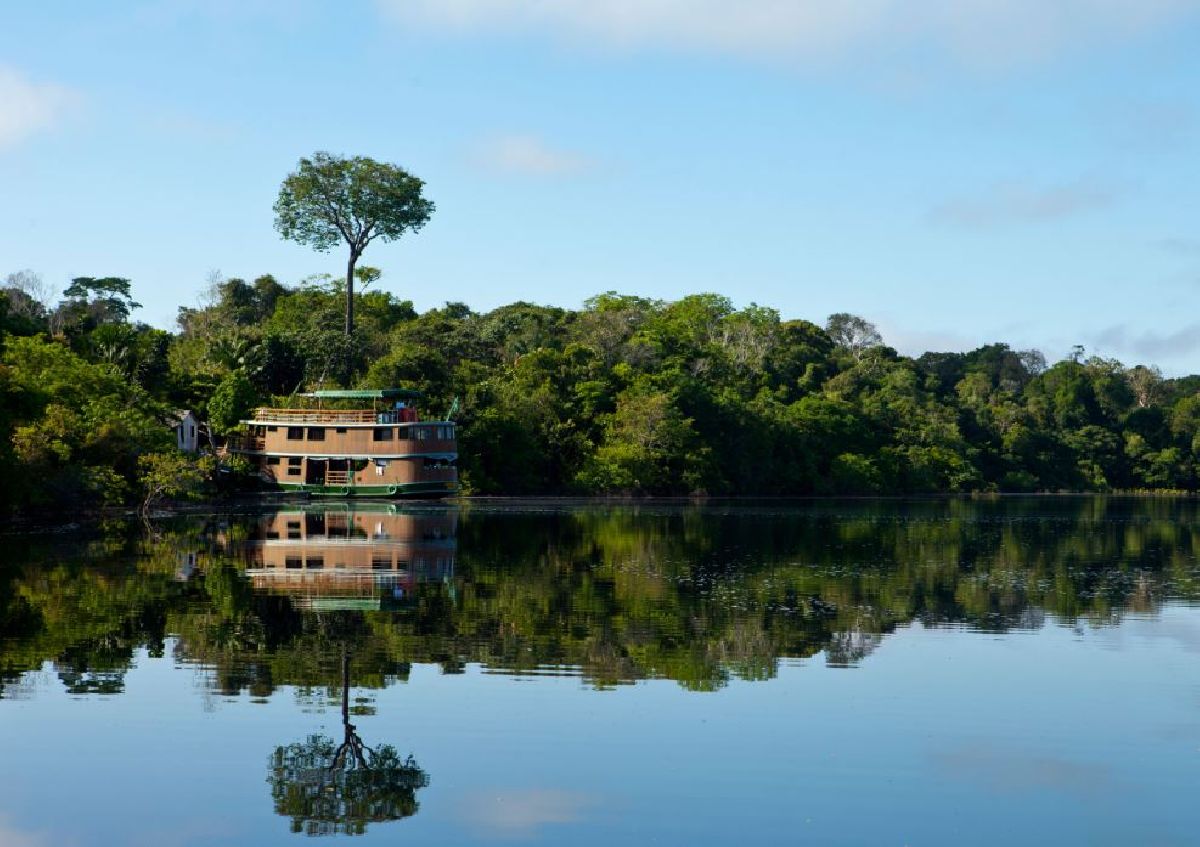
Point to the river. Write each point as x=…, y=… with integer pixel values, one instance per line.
x=1017, y=670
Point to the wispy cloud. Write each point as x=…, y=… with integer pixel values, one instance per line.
x=1147, y=344
x=528, y=154
x=14, y=836
x=985, y=32
x=1149, y=125
x=1182, y=246
x=193, y=127
x=1019, y=202
x=519, y=813
x=28, y=107
x=1008, y=770
x=912, y=342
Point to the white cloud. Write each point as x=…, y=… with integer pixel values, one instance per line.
x=29, y=107
x=520, y=813
x=983, y=32
x=1148, y=344
x=527, y=154
x=13, y=836
x=1019, y=202
x=1013, y=770
x=912, y=342
x=1182, y=246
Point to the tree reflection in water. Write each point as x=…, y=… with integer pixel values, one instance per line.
x=615, y=594
x=327, y=789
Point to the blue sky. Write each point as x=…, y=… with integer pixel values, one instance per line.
x=963, y=172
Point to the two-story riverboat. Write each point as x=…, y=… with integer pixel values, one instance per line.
x=382, y=451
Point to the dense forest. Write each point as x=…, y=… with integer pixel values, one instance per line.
x=626, y=395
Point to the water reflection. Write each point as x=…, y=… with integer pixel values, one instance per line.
x=350, y=558
x=327, y=605
x=328, y=788
x=613, y=594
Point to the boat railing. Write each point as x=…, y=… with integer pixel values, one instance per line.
x=338, y=416
x=316, y=415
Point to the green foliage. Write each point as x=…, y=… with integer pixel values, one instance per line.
x=172, y=476
x=76, y=428
x=232, y=401
x=626, y=395
x=330, y=199
x=94, y=301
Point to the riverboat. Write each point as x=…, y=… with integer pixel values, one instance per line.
x=385, y=450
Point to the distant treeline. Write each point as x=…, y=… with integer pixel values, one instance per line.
x=625, y=395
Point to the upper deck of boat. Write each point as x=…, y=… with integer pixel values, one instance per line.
x=336, y=417
x=388, y=406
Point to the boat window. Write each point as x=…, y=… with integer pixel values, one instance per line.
x=294, y=461
x=295, y=433
x=315, y=562
x=293, y=472
x=422, y=432
x=383, y=433
x=316, y=433
x=381, y=562
x=341, y=430
x=272, y=460
x=291, y=562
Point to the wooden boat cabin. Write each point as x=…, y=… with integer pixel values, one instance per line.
x=384, y=450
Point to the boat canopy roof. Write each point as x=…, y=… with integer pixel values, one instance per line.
x=365, y=394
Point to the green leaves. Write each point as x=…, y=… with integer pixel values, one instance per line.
x=330, y=199
x=233, y=401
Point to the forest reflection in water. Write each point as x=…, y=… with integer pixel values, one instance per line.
x=614, y=594
x=335, y=601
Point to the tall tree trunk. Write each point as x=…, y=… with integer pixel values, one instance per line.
x=350, y=292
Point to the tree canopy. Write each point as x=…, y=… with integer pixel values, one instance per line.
x=330, y=199
x=624, y=395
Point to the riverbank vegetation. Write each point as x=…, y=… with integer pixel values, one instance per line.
x=626, y=395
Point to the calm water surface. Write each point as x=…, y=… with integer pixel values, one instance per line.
x=1020, y=671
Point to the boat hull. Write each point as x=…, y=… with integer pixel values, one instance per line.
x=395, y=491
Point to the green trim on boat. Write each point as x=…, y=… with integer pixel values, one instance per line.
x=401, y=489
x=366, y=394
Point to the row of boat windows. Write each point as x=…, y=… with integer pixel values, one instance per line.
x=379, y=433
x=335, y=525
x=378, y=563
x=295, y=464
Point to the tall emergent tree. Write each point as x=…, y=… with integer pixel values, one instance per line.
x=330, y=198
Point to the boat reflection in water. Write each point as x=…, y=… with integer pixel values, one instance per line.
x=340, y=562
x=351, y=557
